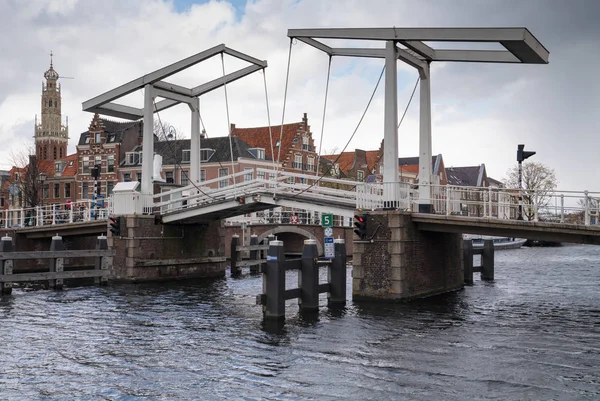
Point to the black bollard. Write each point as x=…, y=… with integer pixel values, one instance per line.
x=468, y=261
x=254, y=253
x=274, y=282
x=487, y=260
x=235, y=256
x=308, y=277
x=100, y=262
x=337, y=275
x=56, y=263
x=6, y=266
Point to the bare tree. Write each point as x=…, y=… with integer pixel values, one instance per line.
x=538, y=182
x=24, y=183
x=165, y=131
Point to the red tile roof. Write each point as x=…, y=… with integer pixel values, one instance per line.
x=71, y=167
x=259, y=137
x=345, y=160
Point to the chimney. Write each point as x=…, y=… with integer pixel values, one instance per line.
x=232, y=128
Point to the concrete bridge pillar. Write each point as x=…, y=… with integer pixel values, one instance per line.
x=400, y=262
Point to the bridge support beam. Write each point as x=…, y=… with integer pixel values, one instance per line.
x=401, y=262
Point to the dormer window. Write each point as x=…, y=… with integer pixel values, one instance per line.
x=87, y=139
x=97, y=138
x=258, y=153
x=185, y=156
x=111, y=138
x=206, y=154
x=132, y=158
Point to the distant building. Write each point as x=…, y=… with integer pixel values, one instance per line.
x=107, y=144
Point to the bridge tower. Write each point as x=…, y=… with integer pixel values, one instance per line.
x=51, y=136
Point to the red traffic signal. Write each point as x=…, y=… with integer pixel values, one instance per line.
x=360, y=222
x=115, y=226
x=240, y=200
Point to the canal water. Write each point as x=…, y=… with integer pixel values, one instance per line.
x=533, y=334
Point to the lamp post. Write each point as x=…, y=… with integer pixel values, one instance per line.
x=42, y=178
x=173, y=134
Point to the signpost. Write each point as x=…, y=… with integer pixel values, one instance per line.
x=327, y=223
x=327, y=220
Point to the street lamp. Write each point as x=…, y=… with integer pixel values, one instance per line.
x=41, y=178
x=173, y=134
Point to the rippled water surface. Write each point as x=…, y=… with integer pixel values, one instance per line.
x=532, y=334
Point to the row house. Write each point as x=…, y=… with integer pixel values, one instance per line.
x=291, y=145
x=466, y=199
x=215, y=158
x=356, y=166
x=106, y=144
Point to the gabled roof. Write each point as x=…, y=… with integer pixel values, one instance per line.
x=172, y=150
x=466, y=176
x=71, y=166
x=345, y=160
x=260, y=137
x=111, y=127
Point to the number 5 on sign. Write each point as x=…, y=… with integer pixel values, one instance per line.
x=327, y=220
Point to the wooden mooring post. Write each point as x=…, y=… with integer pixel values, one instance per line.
x=257, y=260
x=486, y=268
x=274, y=292
x=56, y=256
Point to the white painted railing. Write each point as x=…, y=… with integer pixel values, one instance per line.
x=53, y=214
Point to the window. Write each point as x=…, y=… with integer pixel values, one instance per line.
x=306, y=144
x=291, y=180
x=249, y=173
x=360, y=175
x=202, y=175
x=126, y=177
x=185, y=156
x=109, y=188
x=185, y=180
x=67, y=190
x=277, y=144
x=56, y=190
x=110, y=164
x=132, y=158
x=86, y=165
x=223, y=172
x=111, y=138
x=98, y=162
x=260, y=175
x=169, y=177
x=45, y=191
x=336, y=169
x=85, y=191
x=54, y=153
x=311, y=163
x=258, y=153
x=297, y=162
x=97, y=139
x=57, y=168
x=50, y=102
x=87, y=139
x=205, y=154
x=61, y=153
x=139, y=176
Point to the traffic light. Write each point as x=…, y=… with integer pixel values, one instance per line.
x=360, y=222
x=523, y=154
x=240, y=200
x=115, y=226
x=96, y=172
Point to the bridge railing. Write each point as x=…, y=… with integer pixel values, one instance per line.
x=575, y=207
x=53, y=214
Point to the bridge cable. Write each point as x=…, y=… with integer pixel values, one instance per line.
x=174, y=153
x=228, y=123
x=351, y=137
x=264, y=71
x=287, y=78
x=323, y=120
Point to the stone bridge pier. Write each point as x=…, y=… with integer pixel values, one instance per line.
x=401, y=262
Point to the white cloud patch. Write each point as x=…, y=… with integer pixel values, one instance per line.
x=480, y=112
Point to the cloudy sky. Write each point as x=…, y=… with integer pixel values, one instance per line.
x=480, y=111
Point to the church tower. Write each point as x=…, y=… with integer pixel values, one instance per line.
x=51, y=137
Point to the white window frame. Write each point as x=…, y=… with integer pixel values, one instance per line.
x=223, y=172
